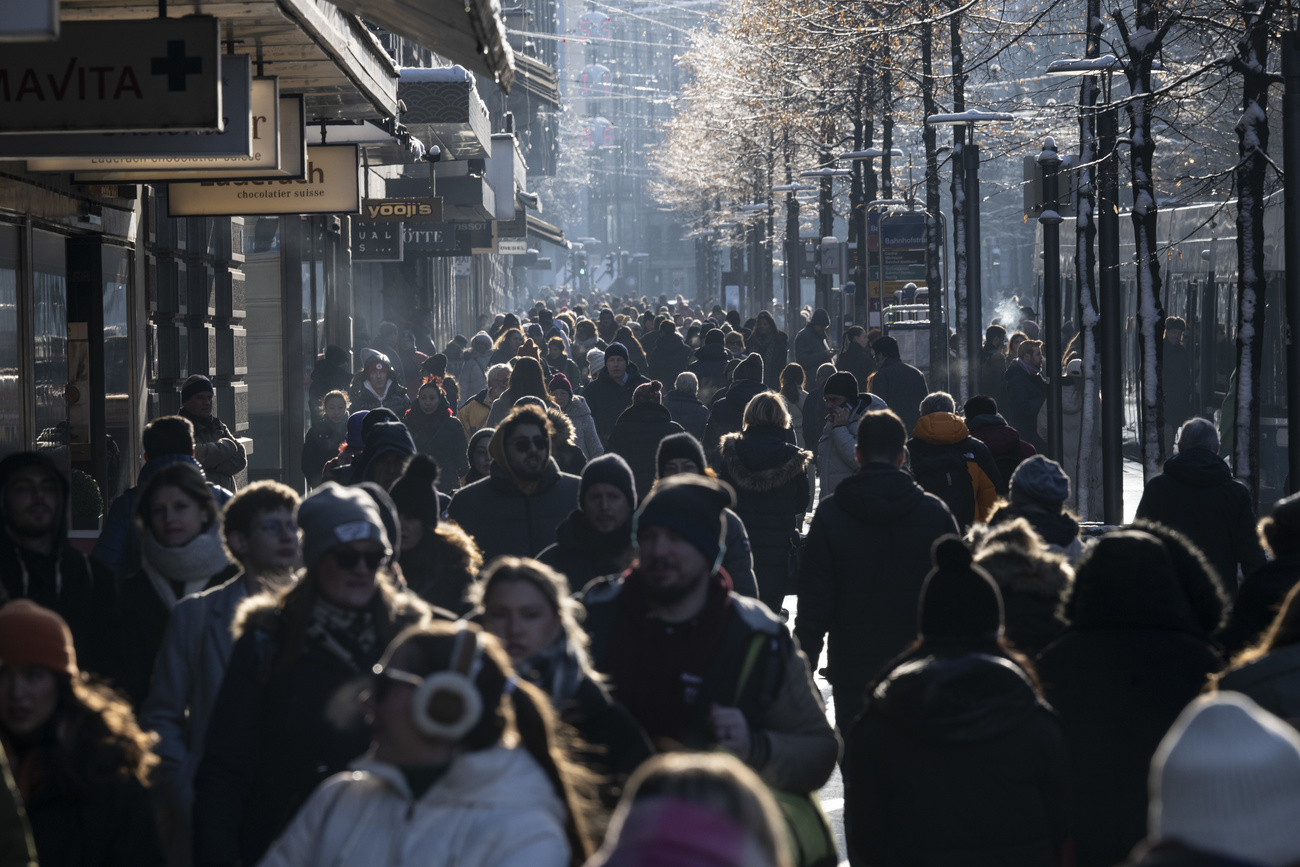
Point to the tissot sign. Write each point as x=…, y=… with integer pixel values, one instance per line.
x=106, y=76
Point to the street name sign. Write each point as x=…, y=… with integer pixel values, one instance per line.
x=290, y=119
x=115, y=76
x=332, y=186
x=244, y=103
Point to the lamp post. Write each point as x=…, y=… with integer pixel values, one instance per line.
x=966, y=238
x=793, y=252
x=1050, y=219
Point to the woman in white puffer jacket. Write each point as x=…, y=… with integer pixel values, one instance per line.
x=464, y=769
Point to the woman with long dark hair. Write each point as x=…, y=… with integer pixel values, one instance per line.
x=80, y=761
x=465, y=768
x=507, y=346
x=635, y=352
x=436, y=432
x=527, y=379
x=956, y=759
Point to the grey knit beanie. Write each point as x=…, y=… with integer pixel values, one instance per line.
x=335, y=515
x=1040, y=480
x=1226, y=781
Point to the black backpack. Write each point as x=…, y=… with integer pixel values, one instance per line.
x=942, y=471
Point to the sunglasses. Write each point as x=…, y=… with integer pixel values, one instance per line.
x=524, y=444
x=348, y=558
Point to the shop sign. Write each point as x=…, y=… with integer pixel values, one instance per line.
x=448, y=239
x=422, y=210
x=29, y=20
x=512, y=246
x=290, y=119
x=115, y=76
x=376, y=242
x=332, y=186
x=249, y=108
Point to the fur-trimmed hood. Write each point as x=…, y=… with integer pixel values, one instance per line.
x=564, y=430
x=265, y=611
x=761, y=461
x=1018, y=560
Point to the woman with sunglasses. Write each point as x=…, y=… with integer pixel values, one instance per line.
x=277, y=730
x=464, y=769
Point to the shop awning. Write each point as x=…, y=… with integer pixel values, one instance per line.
x=443, y=108
x=468, y=32
x=533, y=228
x=314, y=47
x=537, y=78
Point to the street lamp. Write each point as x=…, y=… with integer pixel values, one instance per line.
x=1050, y=218
x=966, y=231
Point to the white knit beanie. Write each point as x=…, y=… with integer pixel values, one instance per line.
x=1226, y=780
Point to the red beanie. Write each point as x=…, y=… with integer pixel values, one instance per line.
x=32, y=635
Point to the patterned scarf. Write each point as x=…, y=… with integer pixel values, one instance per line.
x=349, y=635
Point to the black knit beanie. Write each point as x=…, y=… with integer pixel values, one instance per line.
x=691, y=506
x=842, y=383
x=609, y=469
x=751, y=368
x=959, y=601
x=679, y=445
x=415, y=494
x=196, y=384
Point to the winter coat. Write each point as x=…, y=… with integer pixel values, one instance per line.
x=217, y=450
x=1058, y=530
x=1197, y=495
x=564, y=449
x=584, y=427
x=795, y=408
x=607, y=399
x=775, y=351
x=669, y=358
x=814, y=420
x=1130, y=661
x=794, y=747
x=864, y=561
x=320, y=447
x=441, y=566
x=473, y=371
x=326, y=377
x=1026, y=394
x=1258, y=601
x=993, y=376
x=1273, y=681
x=836, y=458
x=270, y=739
x=811, y=351
x=687, y=411
x=738, y=560
x=902, y=387
x=956, y=761
x=941, y=435
x=504, y=520
x=857, y=361
x=1004, y=443
x=1032, y=581
x=710, y=367
x=728, y=413
x=364, y=396
x=582, y=553
x=772, y=494
x=495, y=807
x=473, y=413
x=564, y=364
x=118, y=546
x=187, y=676
x=440, y=436
x=636, y=437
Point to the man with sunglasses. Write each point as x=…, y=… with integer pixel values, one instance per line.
x=517, y=508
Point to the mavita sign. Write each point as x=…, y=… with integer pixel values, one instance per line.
x=110, y=76
x=332, y=186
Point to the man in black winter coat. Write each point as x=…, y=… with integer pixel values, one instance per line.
x=864, y=562
x=811, y=348
x=1197, y=495
x=596, y=538
x=611, y=391
x=728, y=411
x=897, y=383
x=640, y=429
x=670, y=355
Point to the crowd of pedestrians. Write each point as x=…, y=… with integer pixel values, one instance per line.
x=534, y=608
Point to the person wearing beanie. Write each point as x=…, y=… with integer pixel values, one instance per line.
x=474, y=367
x=478, y=456
x=682, y=453
x=435, y=431
x=639, y=430
x=710, y=364
x=388, y=446
x=1031, y=578
x=837, y=433
x=1261, y=594
x=897, y=383
x=657, y=629
x=951, y=464
x=812, y=346
x=611, y=391
x=277, y=729
x=1197, y=494
x=595, y=363
x=439, y=560
x=325, y=437
x=770, y=477
x=516, y=509
x=670, y=357
x=1133, y=655
x=218, y=451
x=379, y=384
x=726, y=416
x=1038, y=491
x=959, y=706
x=596, y=538
x=79, y=759
x=864, y=560
x=558, y=360
x=985, y=424
x=1225, y=786
x=577, y=415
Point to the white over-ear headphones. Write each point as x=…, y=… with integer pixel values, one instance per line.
x=458, y=680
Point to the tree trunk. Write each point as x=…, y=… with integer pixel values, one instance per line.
x=933, y=237
x=961, y=297
x=1086, y=469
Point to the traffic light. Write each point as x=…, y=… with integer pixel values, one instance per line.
x=581, y=257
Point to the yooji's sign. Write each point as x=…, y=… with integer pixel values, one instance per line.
x=332, y=186
x=109, y=76
x=427, y=210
